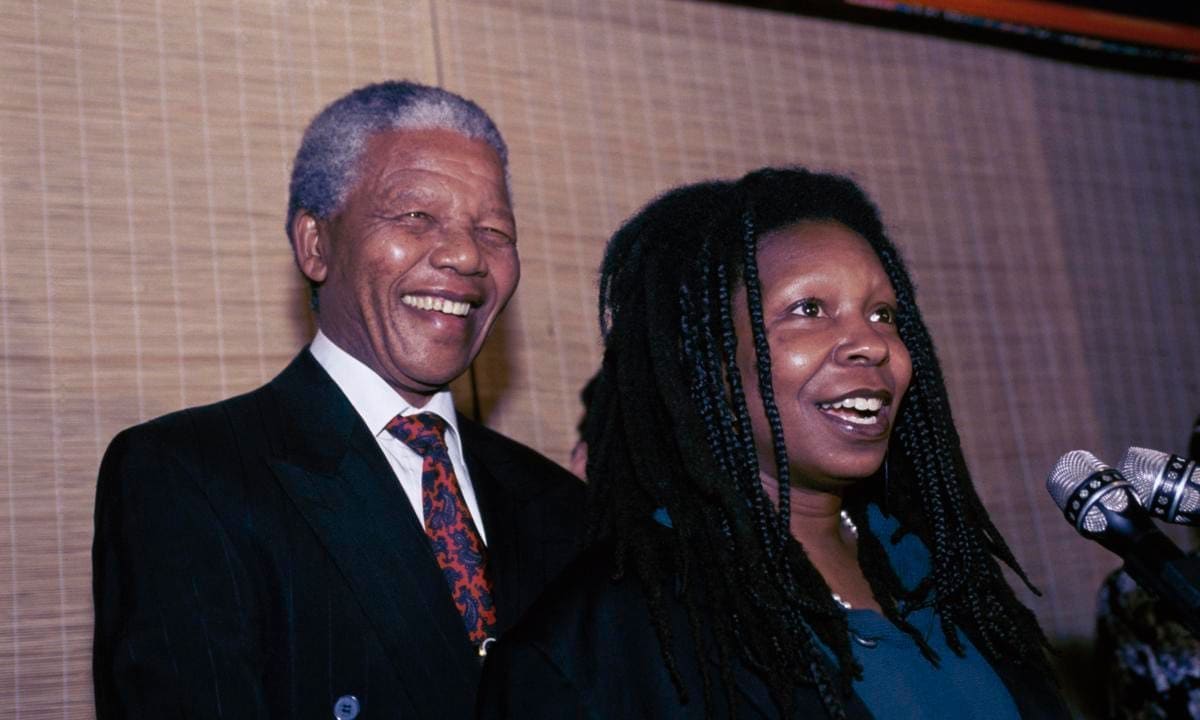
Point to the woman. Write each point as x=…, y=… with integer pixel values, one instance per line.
x=784, y=523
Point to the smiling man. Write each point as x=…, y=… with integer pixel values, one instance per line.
x=340, y=542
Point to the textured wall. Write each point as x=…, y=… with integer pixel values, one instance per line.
x=1049, y=212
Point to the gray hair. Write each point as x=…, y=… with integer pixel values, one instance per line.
x=326, y=165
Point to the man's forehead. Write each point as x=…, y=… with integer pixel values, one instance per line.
x=422, y=162
x=431, y=147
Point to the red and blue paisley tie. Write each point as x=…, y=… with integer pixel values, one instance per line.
x=456, y=542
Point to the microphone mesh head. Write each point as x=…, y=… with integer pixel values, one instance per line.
x=1142, y=467
x=1071, y=471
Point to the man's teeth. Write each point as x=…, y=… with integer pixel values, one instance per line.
x=442, y=305
x=859, y=403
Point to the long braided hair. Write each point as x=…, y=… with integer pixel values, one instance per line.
x=669, y=438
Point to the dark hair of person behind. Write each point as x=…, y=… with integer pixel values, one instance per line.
x=585, y=399
x=669, y=428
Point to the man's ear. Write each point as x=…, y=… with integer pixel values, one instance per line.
x=310, y=246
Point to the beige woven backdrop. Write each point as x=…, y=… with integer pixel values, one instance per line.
x=1050, y=213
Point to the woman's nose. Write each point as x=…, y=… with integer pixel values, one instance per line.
x=864, y=344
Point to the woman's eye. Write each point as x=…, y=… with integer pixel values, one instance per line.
x=884, y=315
x=808, y=308
x=417, y=215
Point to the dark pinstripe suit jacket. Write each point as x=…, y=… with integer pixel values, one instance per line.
x=257, y=558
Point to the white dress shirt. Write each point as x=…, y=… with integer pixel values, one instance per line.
x=377, y=403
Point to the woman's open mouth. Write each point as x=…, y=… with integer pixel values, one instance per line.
x=858, y=408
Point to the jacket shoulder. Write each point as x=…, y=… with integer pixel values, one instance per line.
x=196, y=428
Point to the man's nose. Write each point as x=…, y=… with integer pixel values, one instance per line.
x=458, y=250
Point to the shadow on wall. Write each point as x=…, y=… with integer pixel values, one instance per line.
x=482, y=390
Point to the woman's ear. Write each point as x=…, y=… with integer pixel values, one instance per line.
x=309, y=246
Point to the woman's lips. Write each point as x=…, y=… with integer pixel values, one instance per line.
x=862, y=412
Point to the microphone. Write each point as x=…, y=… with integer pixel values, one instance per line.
x=1100, y=503
x=1166, y=485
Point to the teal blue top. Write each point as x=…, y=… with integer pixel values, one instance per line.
x=898, y=682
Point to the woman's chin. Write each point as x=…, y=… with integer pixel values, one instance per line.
x=838, y=482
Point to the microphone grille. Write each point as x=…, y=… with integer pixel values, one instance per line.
x=1143, y=468
x=1071, y=470
x=1069, y=473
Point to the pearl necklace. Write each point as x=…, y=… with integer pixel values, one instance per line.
x=853, y=529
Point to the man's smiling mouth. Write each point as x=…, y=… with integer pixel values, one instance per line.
x=437, y=304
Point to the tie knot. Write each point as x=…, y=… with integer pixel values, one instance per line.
x=423, y=432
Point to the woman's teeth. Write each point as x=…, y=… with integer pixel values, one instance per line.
x=442, y=305
x=871, y=406
x=861, y=404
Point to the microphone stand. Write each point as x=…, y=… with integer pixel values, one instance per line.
x=1153, y=561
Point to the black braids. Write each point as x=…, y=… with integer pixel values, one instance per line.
x=829, y=623
x=947, y=581
x=748, y=478
x=717, y=418
x=959, y=564
x=745, y=456
x=766, y=387
x=725, y=347
x=930, y=456
x=885, y=584
x=762, y=511
x=830, y=698
x=691, y=339
x=698, y=344
x=649, y=565
x=973, y=567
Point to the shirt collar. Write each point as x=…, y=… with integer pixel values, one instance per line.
x=373, y=399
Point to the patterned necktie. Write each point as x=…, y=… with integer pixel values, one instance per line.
x=456, y=542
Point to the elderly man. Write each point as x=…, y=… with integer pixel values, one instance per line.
x=339, y=542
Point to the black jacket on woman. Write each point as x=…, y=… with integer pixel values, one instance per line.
x=588, y=649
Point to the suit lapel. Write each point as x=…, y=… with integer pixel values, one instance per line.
x=339, y=480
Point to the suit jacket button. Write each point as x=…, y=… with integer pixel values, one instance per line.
x=346, y=708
